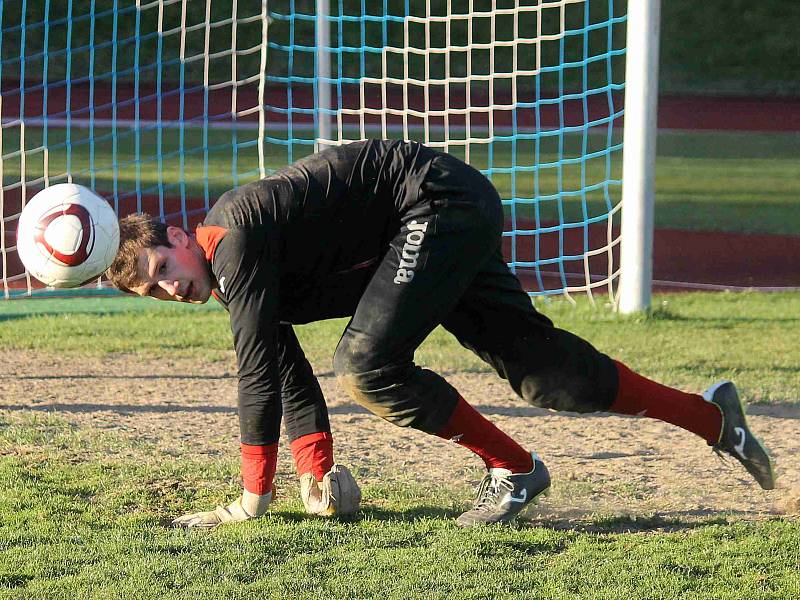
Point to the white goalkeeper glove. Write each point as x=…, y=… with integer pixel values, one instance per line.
x=245, y=507
x=337, y=493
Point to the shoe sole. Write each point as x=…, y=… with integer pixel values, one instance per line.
x=769, y=462
x=708, y=394
x=528, y=506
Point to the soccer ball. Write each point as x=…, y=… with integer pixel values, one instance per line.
x=67, y=235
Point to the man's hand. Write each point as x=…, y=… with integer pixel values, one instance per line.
x=337, y=493
x=245, y=507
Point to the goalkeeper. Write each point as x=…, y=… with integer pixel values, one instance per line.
x=400, y=238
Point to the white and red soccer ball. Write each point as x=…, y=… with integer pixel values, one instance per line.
x=67, y=235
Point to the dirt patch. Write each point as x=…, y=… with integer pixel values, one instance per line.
x=602, y=464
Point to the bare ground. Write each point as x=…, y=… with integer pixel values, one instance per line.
x=602, y=464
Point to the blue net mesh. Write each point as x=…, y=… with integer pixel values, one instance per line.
x=163, y=106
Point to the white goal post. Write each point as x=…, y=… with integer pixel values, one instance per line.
x=639, y=157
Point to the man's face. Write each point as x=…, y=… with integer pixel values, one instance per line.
x=179, y=273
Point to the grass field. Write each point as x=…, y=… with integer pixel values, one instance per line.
x=726, y=181
x=82, y=510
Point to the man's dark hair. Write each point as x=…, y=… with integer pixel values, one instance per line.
x=136, y=233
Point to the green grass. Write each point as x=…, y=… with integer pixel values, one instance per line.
x=728, y=181
x=689, y=341
x=83, y=515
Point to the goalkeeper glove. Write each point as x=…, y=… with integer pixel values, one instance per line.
x=245, y=507
x=337, y=493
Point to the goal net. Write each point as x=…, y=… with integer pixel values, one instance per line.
x=161, y=106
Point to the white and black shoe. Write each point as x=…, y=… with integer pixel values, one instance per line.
x=736, y=438
x=502, y=494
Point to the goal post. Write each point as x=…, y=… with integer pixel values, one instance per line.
x=638, y=169
x=322, y=80
x=162, y=105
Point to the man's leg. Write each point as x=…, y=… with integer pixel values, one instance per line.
x=553, y=368
x=434, y=257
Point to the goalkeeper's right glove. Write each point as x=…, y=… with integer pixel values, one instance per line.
x=337, y=493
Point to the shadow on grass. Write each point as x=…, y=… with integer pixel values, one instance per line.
x=367, y=513
x=128, y=409
x=14, y=317
x=560, y=521
x=15, y=580
x=92, y=376
x=377, y=513
x=676, y=521
x=317, y=374
x=715, y=322
x=122, y=409
x=61, y=314
x=18, y=316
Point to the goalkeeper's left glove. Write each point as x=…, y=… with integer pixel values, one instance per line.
x=245, y=507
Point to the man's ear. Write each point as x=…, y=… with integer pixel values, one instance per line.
x=177, y=237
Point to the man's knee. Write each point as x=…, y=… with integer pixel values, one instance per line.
x=381, y=393
x=398, y=391
x=354, y=356
x=556, y=393
x=353, y=374
x=359, y=373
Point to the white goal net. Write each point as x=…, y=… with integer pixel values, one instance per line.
x=163, y=105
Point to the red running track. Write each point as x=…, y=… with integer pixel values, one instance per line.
x=674, y=112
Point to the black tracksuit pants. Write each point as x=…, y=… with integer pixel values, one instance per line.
x=445, y=266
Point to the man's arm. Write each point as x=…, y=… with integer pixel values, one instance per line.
x=304, y=409
x=325, y=488
x=250, y=294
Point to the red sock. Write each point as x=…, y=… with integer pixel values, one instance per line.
x=313, y=453
x=638, y=395
x=258, y=467
x=468, y=428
